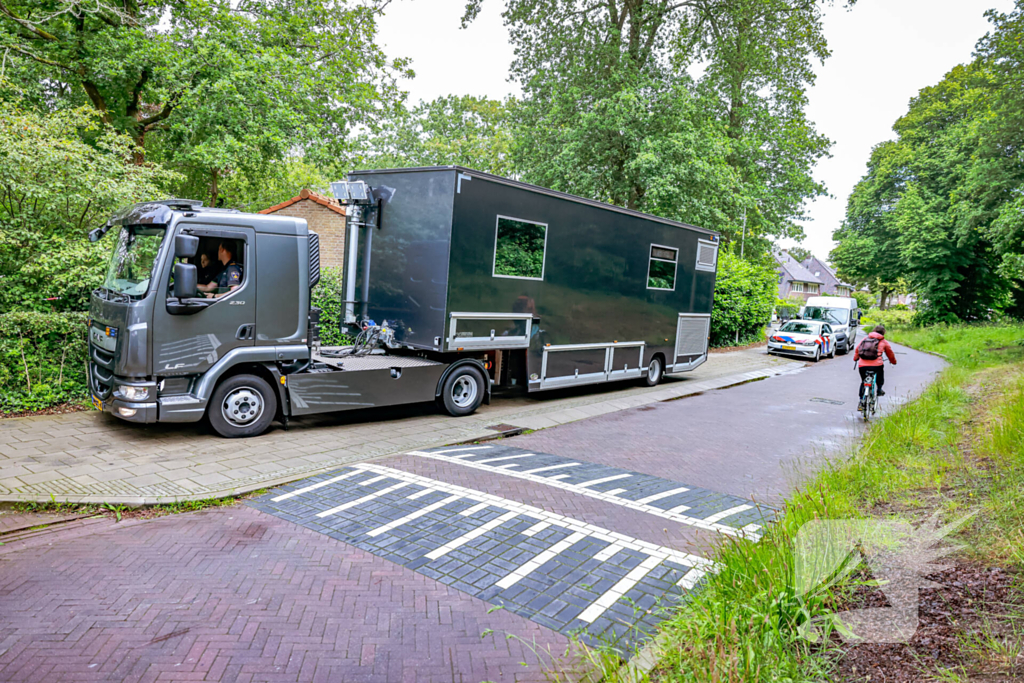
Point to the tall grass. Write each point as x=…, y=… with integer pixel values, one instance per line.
x=743, y=624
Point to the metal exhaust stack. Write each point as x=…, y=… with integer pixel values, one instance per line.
x=357, y=198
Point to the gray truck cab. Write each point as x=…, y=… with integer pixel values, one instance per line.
x=159, y=345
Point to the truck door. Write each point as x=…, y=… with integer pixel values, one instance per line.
x=190, y=344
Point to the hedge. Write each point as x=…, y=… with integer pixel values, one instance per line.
x=327, y=296
x=745, y=295
x=42, y=360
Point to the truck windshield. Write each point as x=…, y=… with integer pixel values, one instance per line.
x=836, y=316
x=131, y=264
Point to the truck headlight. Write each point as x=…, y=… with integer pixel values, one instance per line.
x=131, y=393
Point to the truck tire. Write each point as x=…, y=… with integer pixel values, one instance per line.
x=242, y=405
x=655, y=372
x=463, y=391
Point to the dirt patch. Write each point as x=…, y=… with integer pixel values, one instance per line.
x=60, y=409
x=969, y=625
x=727, y=349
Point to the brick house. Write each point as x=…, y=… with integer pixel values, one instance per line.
x=794, y=279
x=325, y=217
x=830, y=282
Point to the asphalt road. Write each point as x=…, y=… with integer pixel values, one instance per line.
x=758, y=441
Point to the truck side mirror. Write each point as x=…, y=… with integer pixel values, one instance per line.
x=186, y=279
x=185, y=246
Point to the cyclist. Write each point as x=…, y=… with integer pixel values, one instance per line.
x=868, y=356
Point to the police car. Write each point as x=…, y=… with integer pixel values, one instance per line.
x=805, y=338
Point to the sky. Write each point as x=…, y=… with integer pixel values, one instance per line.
x=883, y=52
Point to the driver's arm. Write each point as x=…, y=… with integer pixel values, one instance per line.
x=217, y=296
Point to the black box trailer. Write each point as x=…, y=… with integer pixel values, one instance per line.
x=613, y=294
x=455, y=281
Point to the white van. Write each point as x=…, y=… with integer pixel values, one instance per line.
x=842, y=313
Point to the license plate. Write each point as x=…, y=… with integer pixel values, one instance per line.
x=97, y=403
x=789, y=348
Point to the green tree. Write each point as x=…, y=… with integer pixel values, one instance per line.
x=55, y=187
x=609, y=111
x=799, y=254
x=209, y=86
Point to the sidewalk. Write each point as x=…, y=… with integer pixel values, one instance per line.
x=93, y=457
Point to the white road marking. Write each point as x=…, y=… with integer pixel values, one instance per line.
x=364, y=499
x=475, y=509
x=539, y=559
x=607, y=552
x=470, y=535
x=726, y=513
x=420, y=494
x=536, y=529
x=659, y=496
x=555, y=519
x=672, y=515
x=314, y=487
x=541, y=469
x=677, y=509
x=602, y=480
x=614, y=492
x=372, y=480
x=691, y=578
x=413, y=515
x=598, y=607
x=504, y=457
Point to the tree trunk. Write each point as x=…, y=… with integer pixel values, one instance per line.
x=214, y=192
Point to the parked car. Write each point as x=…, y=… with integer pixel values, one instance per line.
x=841, y=313
x=804, y=338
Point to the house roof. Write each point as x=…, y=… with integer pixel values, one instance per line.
x=814, y=260
x=310, y=195
x=796, y=271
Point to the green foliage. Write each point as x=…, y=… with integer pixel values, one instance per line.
x=609, y=110
x=799, y=254
x=520, y=249
x=865, y=300
x=941, y=206
x=745, y=295
x=55, y=187
x=42, y=360
x=211, y=87
x=892, y=318
x=328, y=296
x=449, y=131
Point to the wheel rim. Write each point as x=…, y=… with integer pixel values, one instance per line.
x=464, y=391
x=654, y=370
x=242, y=406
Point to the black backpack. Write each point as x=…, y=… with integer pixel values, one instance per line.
x=868, y=349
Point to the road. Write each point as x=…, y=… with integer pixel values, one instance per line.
x=464, y=563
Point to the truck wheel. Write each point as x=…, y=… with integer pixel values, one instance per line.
x=243, y=405
x=655, y=371
x=463, y=391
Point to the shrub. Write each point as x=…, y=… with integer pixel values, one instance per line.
x=42, y=360
x=891, y=318
x=745, y=294
x=328, y=296
x=865, y=300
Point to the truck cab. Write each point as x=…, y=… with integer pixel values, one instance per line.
x=159, y=344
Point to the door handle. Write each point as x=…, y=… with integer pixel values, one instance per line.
x=245, y=332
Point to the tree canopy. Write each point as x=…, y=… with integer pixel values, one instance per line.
x=941, y=206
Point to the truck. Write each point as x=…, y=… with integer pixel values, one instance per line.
x=456, y=283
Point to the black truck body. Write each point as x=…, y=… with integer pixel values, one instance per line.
x=589, y=293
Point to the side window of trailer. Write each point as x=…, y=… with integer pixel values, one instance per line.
x=519, y=248
x=661, y=271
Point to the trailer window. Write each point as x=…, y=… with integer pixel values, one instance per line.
x=661, y=273
x=519, y=248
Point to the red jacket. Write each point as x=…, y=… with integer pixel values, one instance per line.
x=883, y=347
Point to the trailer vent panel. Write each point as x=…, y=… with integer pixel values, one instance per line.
x=707, y=255
x=692, y=335
x=314, y=259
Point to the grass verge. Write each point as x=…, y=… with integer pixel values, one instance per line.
x=959, y=446
x=127, y=511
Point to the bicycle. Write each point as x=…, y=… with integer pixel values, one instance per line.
x=869, y=402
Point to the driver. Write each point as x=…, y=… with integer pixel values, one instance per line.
x=230, y=278
x=869, y=356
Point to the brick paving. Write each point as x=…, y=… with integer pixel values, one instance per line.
x=233, y=594
x=92, y=457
